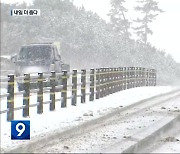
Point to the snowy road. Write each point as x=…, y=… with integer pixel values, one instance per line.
x=169, y=142
x=124, y=128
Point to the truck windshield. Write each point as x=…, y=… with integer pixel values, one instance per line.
x=35, y=53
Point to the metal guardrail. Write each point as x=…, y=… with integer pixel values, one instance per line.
x=100, y=82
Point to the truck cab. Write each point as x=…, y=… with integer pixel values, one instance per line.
x=40, y=57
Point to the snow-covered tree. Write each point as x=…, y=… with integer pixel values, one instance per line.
x=149, y=10
x=118, y=18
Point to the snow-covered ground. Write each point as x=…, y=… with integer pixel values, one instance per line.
x=116, y=134
x=64, y=118
x=170, y=144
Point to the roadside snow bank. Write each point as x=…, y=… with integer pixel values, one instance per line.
x=64, y=118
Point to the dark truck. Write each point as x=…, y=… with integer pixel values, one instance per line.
x=38, y=58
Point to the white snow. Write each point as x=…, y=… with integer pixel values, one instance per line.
x=64, y=118
x=170, y=144
x=6, y=56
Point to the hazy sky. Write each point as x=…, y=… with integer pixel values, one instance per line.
x=166, y=28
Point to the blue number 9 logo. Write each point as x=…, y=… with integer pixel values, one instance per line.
x=20, y=130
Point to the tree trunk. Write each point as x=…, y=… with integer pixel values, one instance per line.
x=146, y=26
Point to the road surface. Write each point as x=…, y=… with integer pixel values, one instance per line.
x=121, y=131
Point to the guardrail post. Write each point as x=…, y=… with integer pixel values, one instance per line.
x=91, y=96
x=140, y=76
x=10, y=98
x=155, y=78
x=120, y=78
x=26, y=95
x=52, y=91
x=117, y=79
x=150, y=77
x=143, y=77
x=147, y=77
x=97, y=83
x=113, y=79
x=136, y=76
x=74, y=88
x=83, y=86
x=115, y=83
x=106, y=81
x=100, y=82
x=103, y=82
x=153, y=72
x=128, y=77
x=110, y=80
x=124, y=78
x=40, y=94
x=132, y=77
x=64, y=90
